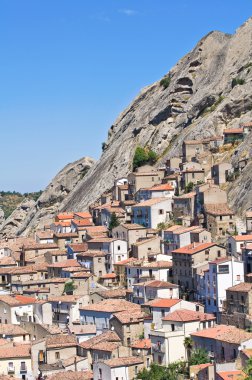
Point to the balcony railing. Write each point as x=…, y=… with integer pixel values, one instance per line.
x=23, y=368
x=11, y=369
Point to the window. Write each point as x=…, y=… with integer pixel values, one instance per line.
x=57, y=355
x=118, y=247
x=172, y=327
x=220, y=217
x=148, y=362
x=128, y=341
x=238, y=278
x=119, y=258
x=159, y=359
x=161, y=212
x=223, y=269
x=219, y=253
x=136, y=370
x=22, y=366
x=99, y=260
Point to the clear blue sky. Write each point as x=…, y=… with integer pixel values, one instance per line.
x=68, y=67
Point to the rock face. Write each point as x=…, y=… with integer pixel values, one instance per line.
x=202, y=97
x=200, y=101
x=26, y=219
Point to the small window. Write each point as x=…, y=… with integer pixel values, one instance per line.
x=57, y=355
x=118, y=247
x=136, y=370
x=161, y=212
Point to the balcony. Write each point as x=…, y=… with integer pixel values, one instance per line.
x=23, y=368
x=61, y=311
x=11, y=369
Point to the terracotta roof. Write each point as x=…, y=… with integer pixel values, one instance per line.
x=144, y=241
x=60, y=252
x=98, y=229
x=82, y=329
x=185, y=196
x=108, y=336
x=153, y=264
x=190, y=249
x=10, y=329
x=71, y=375
x=150, y=202
x=223, y=333
x=113, y=293
x=44, y=234
x=161, y=187
x=183, y=315
x=218, y=209
x=233, y=130
x=65, y=264
x=221, y=260
x=91, y=253
x=60, y=340
x=156, y=284
x=162, y=302
x=126, y=317
x=101, y=240
x=141, y=344
x=127, y=261
x=32, y=247
x=108, y=276
x=17, y=351
x=81, y=275
x=82, y=222
x=62, y=224
x=111, y=306
x=123, y=362
x=132, y=226
x=78, y=247
x=65, y=215
x=64, y=298
x=75, y=269
x=83, y=214
x=173, y=228
x=232, y=375
x=183, y=230
x=17, y=300
x=242, y=237
x=242, y=287
x=63, y=235
x=7, y=260
x=106, y=346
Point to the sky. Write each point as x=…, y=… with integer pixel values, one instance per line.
x=69, y=67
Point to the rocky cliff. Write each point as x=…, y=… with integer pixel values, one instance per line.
x=208, y=90
x=30, y=215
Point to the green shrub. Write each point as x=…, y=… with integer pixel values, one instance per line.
x=189, y=187
x=165, y=82
x=114, y=221
x=143, y=156
x=237, y=81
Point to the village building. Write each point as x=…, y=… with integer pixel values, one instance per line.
x=146, y=291
x=152, y=212
x=145, y=247
x=220, y=220
x=176, y=326
x=220, y=172
x=130, y=232
x=222, y=342
x=119, y=368
x=184, y=208
x=212, y=283
x=186, y=262
x=238, y=306
x=164, y=190
x=232, y=135
x=145, y=177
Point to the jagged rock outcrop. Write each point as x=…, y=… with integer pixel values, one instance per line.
x=208, y=90
x=200, y=101
x=26, y=219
